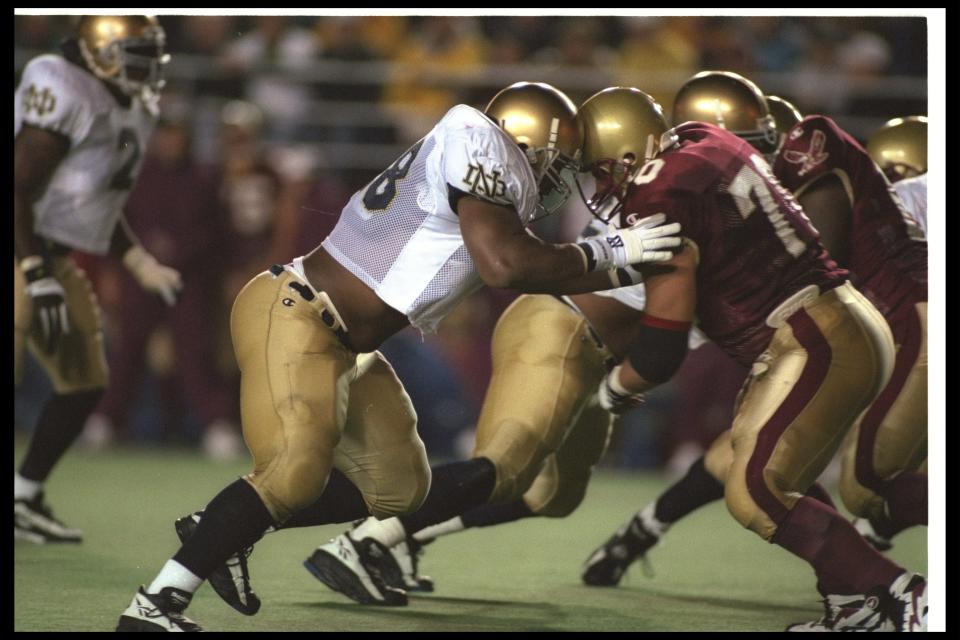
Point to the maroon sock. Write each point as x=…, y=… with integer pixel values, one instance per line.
x=818, y=493
x=907, y=500
x=842, y=559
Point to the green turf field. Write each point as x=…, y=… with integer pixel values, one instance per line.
x=710, y=574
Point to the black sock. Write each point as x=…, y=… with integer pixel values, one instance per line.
x=694, y=490
x=341, y=501
x=234, y=520
x=456, y=488
x=60, y=423
x=488, y=515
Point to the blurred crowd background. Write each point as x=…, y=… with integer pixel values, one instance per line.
x=269, y=123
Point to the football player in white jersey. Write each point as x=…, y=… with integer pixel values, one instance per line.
x=320, y=406
x=544, y=441
x=81, y=120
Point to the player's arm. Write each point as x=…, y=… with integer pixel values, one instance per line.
x=661, y=343
x=150, y=274
x=36, y=155
x=829, y=207
x=509, y=257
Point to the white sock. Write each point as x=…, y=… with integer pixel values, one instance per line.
x=388, y=532
x=452, y=525
x=24, y=489
x=650, y=521
x=176, y=575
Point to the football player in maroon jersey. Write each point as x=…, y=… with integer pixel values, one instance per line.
x=757, y=278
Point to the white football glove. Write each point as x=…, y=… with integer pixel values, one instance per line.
x=153, y=276
x=614, y=397
x=49, y=302
x=649, y=240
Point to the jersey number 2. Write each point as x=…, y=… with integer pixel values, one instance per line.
x=383, y=189
x=129, y=145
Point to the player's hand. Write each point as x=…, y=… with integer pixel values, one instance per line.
x=649, y=240
x=614, y=397
x=49, y=303
x=153, y=276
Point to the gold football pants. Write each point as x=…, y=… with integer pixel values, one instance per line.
x=537, y=424
x=79, y=362
x=309, y=404
x=891, y=435
x=823, y=367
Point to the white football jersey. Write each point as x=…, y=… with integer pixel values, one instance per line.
x=913, y=192
x=86, y=194
x=401, y=237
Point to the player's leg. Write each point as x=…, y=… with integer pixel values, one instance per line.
x=819, y=372
x=382, y=455
x=295, y=376
x=702, y=484
x=545, y=368
x=78, y=371
x=880, y=481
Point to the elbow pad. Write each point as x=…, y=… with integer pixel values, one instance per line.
x=659, y=349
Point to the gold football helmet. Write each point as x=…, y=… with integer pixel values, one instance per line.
x=900, y=147
x=542, y=121
x=785, y=115
x=622, y=130
x=729, y=101
x=126, y=51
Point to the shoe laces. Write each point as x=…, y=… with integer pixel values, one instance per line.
x=240, y=556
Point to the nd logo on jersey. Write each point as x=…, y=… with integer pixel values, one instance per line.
x=43, y=102
x=482, y=184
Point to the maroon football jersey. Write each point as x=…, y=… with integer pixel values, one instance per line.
x=888, y=254
x=756, y=246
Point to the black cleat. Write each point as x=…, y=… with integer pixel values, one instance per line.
x=606, y=565
x=230, y=580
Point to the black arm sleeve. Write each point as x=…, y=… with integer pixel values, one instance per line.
x=658, y=352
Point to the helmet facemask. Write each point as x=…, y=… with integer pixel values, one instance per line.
x=556, y=175
x=612, y=179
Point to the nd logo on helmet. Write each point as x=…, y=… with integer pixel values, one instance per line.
x=43, y=102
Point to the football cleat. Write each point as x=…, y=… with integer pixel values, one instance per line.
x=406, y=554
x=850, y=613
x=606, y=566
x=158, y=612
x=230, y=580
x=866, y=529
x=361, y=570
x=33, y=521
x=908, y=603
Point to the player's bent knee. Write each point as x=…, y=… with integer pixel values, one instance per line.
x=404, y=499
x=517, y=451
x=859, y=500
x=565, y=502
x=745, y=510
